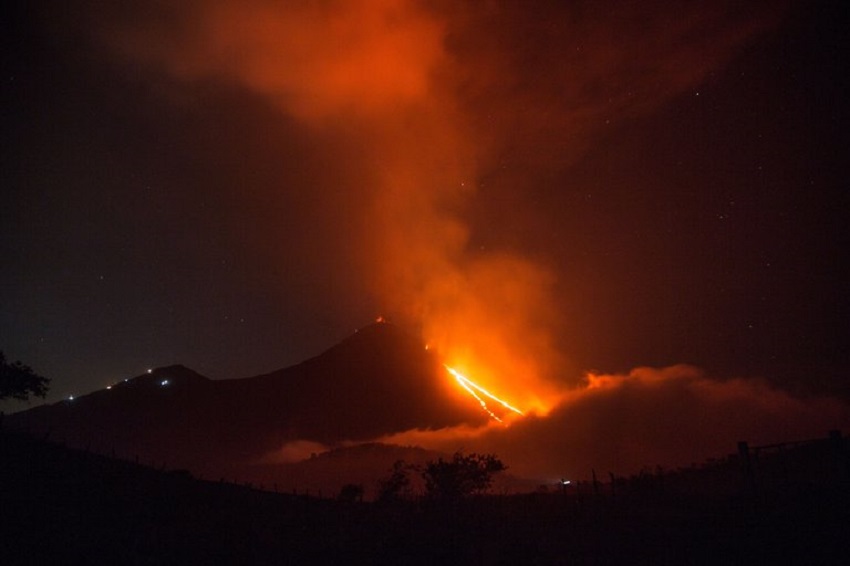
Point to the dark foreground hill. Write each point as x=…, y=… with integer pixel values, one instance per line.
x=378, y=381
x=65, y=506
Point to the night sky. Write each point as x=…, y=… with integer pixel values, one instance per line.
x=609, y=185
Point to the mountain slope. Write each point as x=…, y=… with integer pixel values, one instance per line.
x=378, y=381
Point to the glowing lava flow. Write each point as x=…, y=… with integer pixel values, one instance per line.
x=474, y=389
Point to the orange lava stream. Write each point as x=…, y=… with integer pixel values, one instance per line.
x=473, y=389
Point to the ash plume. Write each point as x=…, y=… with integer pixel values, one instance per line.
x=415, y=103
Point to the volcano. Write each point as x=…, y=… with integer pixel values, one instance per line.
x=378, y=381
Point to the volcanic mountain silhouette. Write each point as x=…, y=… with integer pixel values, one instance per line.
x=378, y=381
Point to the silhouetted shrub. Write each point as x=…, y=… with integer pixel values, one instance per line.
x=460, y=477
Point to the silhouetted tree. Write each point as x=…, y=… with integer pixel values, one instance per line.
x=18, y=381
x=396, y=486
x=460, y=477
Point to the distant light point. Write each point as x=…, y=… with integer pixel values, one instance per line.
x=164, y=382
x=150, y=370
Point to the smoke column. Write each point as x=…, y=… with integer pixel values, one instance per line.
x=419, y=101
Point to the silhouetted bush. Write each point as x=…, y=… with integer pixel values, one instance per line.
x=460, y=477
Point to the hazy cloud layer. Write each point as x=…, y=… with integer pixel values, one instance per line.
x=670, y=416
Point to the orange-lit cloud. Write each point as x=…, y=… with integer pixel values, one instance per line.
x=317, y=60
x=379, y=76
x=672, y=416
x=295, y=451
x=416, y=102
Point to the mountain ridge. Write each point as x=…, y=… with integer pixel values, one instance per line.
x=378, y=381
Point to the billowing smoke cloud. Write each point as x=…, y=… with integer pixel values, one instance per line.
x=417, y=102
x=420, y=100
x=671, y=417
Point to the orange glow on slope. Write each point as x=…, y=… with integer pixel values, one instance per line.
x=474, y=389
